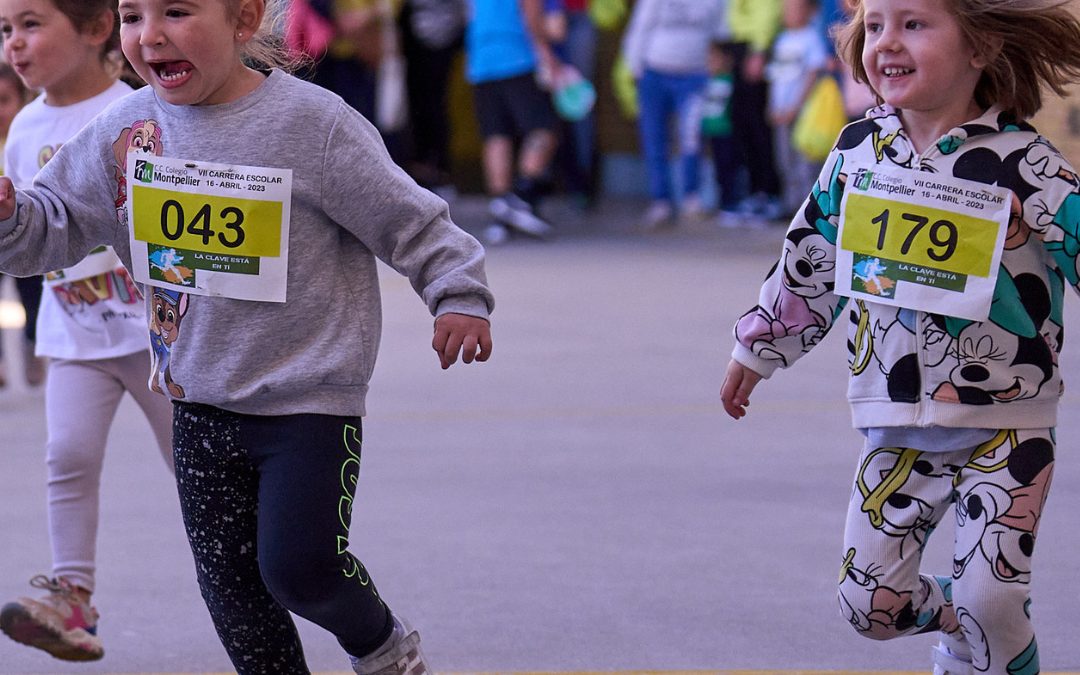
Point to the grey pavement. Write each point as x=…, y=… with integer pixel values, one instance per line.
x=580, y=502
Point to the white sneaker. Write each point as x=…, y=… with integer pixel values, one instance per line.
x=730, y=218
x=951, y=656
x=496, y=234
x=658, y=214
x=514, y=211
x=692, y=210
x=399, y=655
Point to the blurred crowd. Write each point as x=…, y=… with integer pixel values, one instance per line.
x=720, y=81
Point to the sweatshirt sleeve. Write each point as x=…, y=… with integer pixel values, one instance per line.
x=404, y=225
x=69, y=211
x=797, y=306
x=635, y=40
x=1051, y=207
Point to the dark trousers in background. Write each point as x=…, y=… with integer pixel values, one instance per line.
x=749, y=117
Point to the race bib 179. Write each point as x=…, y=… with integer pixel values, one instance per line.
x=922, y=241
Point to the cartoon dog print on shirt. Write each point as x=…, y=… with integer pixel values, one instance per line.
x=167, y=311
x=142, y=136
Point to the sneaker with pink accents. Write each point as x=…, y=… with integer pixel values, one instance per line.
x=59, y=623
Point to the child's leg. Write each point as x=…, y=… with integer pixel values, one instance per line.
x=267, y=504
x=900, y=495
x=30, y=290
x=1001, y=489
x=157, y=408
x=725, y=167
x=687, y=103
x=80, y=401
x=219, y=497
x=81, y=398
x=308, y=469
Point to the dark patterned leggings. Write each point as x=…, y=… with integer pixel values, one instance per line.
x=267, y=503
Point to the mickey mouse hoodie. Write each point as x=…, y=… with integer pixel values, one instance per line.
x=917, y=369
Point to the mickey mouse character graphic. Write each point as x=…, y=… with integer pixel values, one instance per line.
x=168, y=310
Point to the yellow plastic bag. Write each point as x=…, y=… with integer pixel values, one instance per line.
x=622, y=83
x=607, y=14
x=820, y=121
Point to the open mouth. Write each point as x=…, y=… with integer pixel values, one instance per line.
x=1010, y=393
x=893, y=71
x=172, y=72
x=1004, y=569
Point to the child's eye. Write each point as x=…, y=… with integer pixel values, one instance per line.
x=913, y=25
x=873, y=27
x=129, y=18
x=174, y=13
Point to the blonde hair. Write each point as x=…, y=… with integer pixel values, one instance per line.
x=266, y=49
x=1027, y=44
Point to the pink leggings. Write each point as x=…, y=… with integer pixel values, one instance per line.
x=81, y=400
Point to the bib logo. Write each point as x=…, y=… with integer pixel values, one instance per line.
x=863, y=178
x=144, y=171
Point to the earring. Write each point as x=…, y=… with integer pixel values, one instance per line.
x=240, y=35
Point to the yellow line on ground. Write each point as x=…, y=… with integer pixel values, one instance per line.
x=656, y=672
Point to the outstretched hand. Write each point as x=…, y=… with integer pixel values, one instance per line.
x=460, y=332
x=738, y=384
x=7, y=198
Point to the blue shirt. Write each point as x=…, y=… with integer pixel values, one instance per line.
x=497, y=44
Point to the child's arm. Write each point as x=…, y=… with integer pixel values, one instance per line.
x=464, y=333
x=7, y=198
x=738, y=384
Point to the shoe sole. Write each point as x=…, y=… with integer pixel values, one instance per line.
x=523, y=222
x=18, y=625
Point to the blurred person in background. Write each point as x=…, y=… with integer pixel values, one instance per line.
x=13, y=96
x=754, y=26
x=574, y=37
x=506, y=49
x=666, y=47
x=799, y=57
x=350, y=67
x=432, y=32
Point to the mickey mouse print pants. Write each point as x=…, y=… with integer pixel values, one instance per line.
x=267, y=503
x=997, y=491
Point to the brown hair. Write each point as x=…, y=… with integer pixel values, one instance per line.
x=82, y=13
x=1027, y=44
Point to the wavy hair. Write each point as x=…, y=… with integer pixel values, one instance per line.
x=1028, y=44
x=266, y=49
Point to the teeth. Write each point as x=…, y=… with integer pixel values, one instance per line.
x=171, y=78
x=893, y=72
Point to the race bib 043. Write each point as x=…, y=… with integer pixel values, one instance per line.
x=209, y=229
x=921, y=241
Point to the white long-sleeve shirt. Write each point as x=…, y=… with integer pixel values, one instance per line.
x=673, y=36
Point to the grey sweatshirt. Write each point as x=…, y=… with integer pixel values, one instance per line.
x=350, y=205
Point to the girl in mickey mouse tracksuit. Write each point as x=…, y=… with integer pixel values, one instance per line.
x=958, y=414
